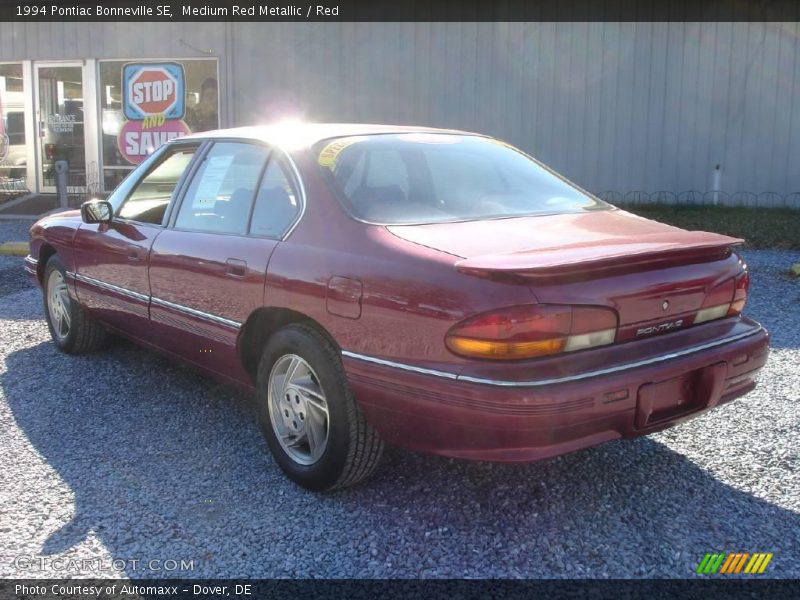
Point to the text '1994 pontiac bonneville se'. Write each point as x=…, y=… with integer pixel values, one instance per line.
x=429, y=288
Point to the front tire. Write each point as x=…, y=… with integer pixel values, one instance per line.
x=308, y=415
x=72, y=329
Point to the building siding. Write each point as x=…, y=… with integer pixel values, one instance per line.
x=613, y=106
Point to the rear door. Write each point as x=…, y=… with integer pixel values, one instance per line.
x=111, y=258
x=208, y=267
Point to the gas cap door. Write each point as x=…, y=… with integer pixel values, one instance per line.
x=343, y=297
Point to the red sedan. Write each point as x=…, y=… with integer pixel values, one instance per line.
x=434, y=289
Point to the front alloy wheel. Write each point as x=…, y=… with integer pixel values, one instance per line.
x=71, y=327
x=59, y=305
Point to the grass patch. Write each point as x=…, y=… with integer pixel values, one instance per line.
x=763, y=228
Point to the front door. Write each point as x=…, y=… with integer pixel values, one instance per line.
x=111, y=258
x=60, y=119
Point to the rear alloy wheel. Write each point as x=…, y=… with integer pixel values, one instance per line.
x=71, y=328
x=298, y=410
x=308, y=415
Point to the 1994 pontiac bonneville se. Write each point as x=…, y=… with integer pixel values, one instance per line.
x=429, y=288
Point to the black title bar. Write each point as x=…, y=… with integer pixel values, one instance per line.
x=399, y=10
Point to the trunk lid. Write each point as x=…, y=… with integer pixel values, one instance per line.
x=560, y=242
x=654, y=275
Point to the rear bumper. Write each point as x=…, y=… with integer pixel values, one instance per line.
x=532, y=413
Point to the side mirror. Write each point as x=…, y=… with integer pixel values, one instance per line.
x=97, y=211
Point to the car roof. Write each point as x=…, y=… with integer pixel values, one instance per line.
x=292, y=135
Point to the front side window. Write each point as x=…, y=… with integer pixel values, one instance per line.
x=407, y=178
x=221, y=193
x=149, y=199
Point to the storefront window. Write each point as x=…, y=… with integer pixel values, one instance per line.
x=13, y=156
x=61, y=123
x=143, y=104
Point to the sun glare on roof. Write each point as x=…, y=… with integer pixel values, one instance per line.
x=287, y=132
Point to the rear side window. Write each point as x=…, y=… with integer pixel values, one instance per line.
x=397, y=179
x=149, y=199
x=221, y=193
x=277, y=203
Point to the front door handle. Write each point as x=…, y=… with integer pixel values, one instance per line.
x=235, y=267
x=134, y=254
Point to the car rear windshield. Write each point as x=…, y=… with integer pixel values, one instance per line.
x=406, y=178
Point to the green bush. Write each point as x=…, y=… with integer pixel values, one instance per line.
x=767, y=228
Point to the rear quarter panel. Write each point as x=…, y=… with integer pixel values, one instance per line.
x=411, y=294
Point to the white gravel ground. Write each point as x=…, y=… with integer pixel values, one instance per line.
x=123, y=457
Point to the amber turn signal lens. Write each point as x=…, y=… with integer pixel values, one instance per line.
x=503, y=350
x=737, y=306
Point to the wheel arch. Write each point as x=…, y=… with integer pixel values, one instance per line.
x=46, y=251
x=261, y=325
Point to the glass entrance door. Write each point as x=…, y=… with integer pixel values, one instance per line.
x=60, y=124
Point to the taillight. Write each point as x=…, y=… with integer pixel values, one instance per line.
x=717, y=302
x=725, y=300
x=740, y=293
x=529, y=331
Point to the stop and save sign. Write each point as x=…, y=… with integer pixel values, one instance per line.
x=153, y=89
x=154, y=102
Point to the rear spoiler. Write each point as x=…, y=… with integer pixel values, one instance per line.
x=604, y=257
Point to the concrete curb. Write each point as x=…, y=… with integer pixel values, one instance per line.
x=14, y=248
x=16, y=201
x=36, y=217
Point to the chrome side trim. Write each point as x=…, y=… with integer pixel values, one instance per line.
x=164, y=303
x=396, y=365
x=32, y=261
x=29, y=270
x=196, y=313
x=111, y=287
x=556, y=380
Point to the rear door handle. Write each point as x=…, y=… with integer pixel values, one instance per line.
x=235, y=267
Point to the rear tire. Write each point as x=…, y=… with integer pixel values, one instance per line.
x=72, y=329
x=302, y=392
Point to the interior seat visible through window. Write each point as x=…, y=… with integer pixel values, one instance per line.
x=221, y=193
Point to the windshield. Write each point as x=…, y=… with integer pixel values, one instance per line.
x=396, y=179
